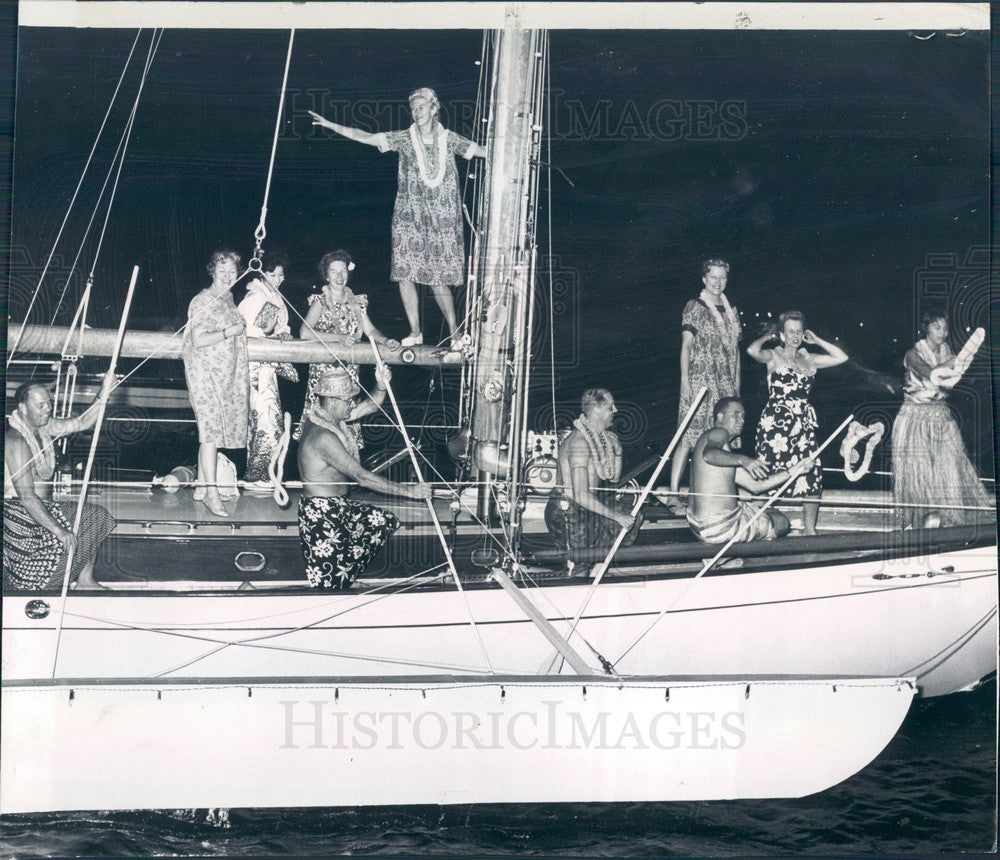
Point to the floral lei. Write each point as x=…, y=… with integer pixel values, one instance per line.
x=43, y=454
x=341, y=432
x=731, y=332
x=604, y=446
x=442, y=154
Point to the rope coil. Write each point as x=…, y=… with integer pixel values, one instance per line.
x=276, y=468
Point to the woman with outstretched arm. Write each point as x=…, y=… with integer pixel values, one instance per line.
x=428, y=243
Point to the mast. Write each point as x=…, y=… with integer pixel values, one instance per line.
x=506, y=269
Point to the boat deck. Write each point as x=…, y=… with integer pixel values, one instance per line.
x=142, y=510
x=167, y=540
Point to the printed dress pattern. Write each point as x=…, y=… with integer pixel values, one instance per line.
x=342, y=318
x=713, y=362
x=786, y=432
x=34, y=559
x=266, y=426
x=428, y=245
x=265, y=315
x=218, y=375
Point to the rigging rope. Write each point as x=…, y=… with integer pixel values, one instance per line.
x=102, y=404
x=548, y=212
x=79, y=184
x=276, y=467
x=119, y=159
x=254, y=641
x=261, y=232
x=430, y=509
x=708, y=565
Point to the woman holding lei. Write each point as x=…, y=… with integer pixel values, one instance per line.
x=933, y=482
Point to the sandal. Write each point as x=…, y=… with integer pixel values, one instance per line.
x=214, y=503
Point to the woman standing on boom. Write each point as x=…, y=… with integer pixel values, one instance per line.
x=428, y=245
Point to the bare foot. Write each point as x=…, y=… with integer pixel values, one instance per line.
x=90, y=584
x=677, y=506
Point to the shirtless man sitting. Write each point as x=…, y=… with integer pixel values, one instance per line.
x=715, y=513
x=37, y=531
x=339, y=536
x=590, y=458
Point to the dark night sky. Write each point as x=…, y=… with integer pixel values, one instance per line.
x=826, y=166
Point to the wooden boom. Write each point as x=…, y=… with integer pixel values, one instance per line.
x=49, y=340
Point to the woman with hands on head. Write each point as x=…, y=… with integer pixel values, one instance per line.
x=786, y=432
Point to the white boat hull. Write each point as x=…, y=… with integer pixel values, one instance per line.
x=437, y=741
x=933, y=617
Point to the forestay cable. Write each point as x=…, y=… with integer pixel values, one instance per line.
x=119, y=159
x=103, y=402
x=79, y=184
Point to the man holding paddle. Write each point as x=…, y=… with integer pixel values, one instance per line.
x=590, y=459
x=715, y=513
x=340, y=536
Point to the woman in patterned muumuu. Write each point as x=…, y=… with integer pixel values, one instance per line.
x=428, y=245
x=337, y=316
x=217, y=373
x=710, y=358
x=786, y=432
x=265, y=314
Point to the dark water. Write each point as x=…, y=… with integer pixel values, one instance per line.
x=932, y=790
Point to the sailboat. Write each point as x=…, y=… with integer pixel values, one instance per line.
x=504, y=673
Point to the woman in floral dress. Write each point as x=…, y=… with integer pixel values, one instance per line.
x=786, y=432
x=428, y=245
x=265, y=314
x=337, y=316
x=710, y=333
x=215, y=365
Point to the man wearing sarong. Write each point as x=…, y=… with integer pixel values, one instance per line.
x=38, y=532
x=578, y=515
x=715, y=512
x=340, y=536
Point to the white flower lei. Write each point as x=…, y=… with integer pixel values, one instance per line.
x=604, y=446
x=733, y=328
x=418, y=148
x=339, y=430
x=43, y=454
